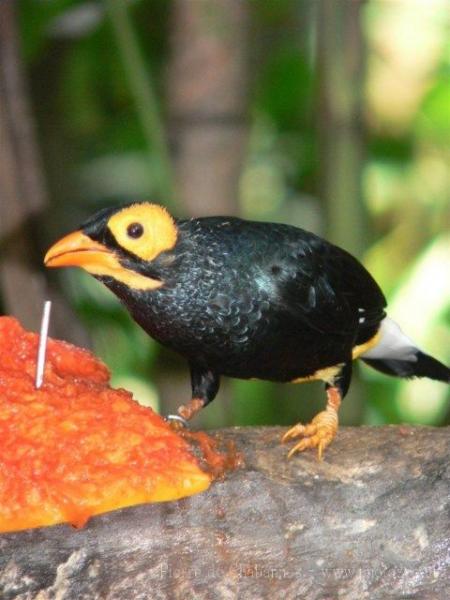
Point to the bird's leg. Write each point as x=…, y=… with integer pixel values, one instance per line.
x=323, y=428
x=191, y=408
x=205, y=385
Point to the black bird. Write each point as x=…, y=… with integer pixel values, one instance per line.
x=246, y=299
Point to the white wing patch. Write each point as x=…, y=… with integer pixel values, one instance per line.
x=393, y=344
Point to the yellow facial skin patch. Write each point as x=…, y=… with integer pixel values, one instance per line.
x=158, y=230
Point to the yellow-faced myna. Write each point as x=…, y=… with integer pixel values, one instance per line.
x=248, y=300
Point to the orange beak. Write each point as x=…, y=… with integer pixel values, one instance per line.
x=78, y=250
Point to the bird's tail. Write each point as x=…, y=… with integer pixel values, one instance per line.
x=424, y=366
x=395, y=354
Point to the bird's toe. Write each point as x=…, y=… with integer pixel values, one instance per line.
x=317, y=434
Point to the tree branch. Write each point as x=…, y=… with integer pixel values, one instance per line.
x=371, y=520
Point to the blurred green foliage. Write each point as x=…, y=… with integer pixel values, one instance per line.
x=96, y=153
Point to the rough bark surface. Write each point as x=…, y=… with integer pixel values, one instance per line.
x=370, y=521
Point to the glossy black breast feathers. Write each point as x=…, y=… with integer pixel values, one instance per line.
x=258, y=299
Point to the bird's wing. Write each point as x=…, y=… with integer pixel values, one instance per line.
x=330, y=291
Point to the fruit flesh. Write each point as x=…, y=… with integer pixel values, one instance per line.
x=76, y=447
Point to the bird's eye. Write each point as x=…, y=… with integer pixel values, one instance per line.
x=135, y=230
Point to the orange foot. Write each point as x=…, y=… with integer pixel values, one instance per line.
x=189, y=410
x=322, y=429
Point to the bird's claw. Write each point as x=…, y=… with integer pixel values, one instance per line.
x=317, y=434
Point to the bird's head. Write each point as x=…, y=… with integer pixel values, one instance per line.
x=120, y=243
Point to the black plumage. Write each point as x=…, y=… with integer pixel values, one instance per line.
x=248, y=299
x=253, y=299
